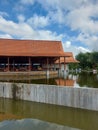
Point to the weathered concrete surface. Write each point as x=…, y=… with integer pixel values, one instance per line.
x=32, y=73
x=86, y=98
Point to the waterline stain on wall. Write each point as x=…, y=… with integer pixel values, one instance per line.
x=15, y=91
x=86, y=98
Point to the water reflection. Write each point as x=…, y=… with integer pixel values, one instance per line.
x=69, y=81
x=65, y=82
x=63, y=116
x=88, y=80
x=32, y=124
x=77, y=80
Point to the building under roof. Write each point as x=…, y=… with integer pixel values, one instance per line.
x=22, y=55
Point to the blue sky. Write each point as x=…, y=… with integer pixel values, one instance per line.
x=74, y=22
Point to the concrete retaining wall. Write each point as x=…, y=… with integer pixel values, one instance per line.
x=86, y=98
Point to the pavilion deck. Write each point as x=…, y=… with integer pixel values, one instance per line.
x=32, y=73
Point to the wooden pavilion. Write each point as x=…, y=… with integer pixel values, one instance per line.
x=69, y=59
x=29, y=55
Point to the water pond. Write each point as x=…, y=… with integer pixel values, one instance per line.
x=24, y=115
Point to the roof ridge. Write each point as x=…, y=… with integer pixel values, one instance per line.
x=30, y=40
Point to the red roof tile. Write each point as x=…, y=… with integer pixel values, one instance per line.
x=69, y=54
x=12, y=47
x=69, y=58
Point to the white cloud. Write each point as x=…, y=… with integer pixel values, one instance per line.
x=63, y=4
x=57, y=16
x=25, y=31
x=22, y=5
x=81, y=19
x=38, y=21
x=7, y=36
x=19, y=8
x=3, y=14
x=27, y=2
x=21, y=29
x=48, y=35
x=90, y=40
x=67, y=44
x=82, y=49
x=81, y=16
x=68, y=47
x=21, y=18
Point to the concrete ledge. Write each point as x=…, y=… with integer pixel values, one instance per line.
x=4, y=76
x=86, y=98
x=29, y=73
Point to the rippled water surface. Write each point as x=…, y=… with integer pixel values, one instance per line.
x=23, y=115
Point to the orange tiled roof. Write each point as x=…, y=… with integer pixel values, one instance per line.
x=69, y=54
x=68, y=59
x=12, y=47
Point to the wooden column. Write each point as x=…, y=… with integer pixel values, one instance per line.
x=50, y=65
x=8, y=67
x=47, y=71
x=29, y=63
x=47, y=64
x=64, y=64
x=59, y=70
x=64, y=68
x=59, y=64
x=13, y=65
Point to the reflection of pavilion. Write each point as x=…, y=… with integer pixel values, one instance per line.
x=65, y=82
x=7, y=116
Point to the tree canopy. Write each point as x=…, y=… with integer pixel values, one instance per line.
x=88, y=60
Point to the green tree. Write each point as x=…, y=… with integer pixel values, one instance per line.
x=88, y=60
x=95, y=59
